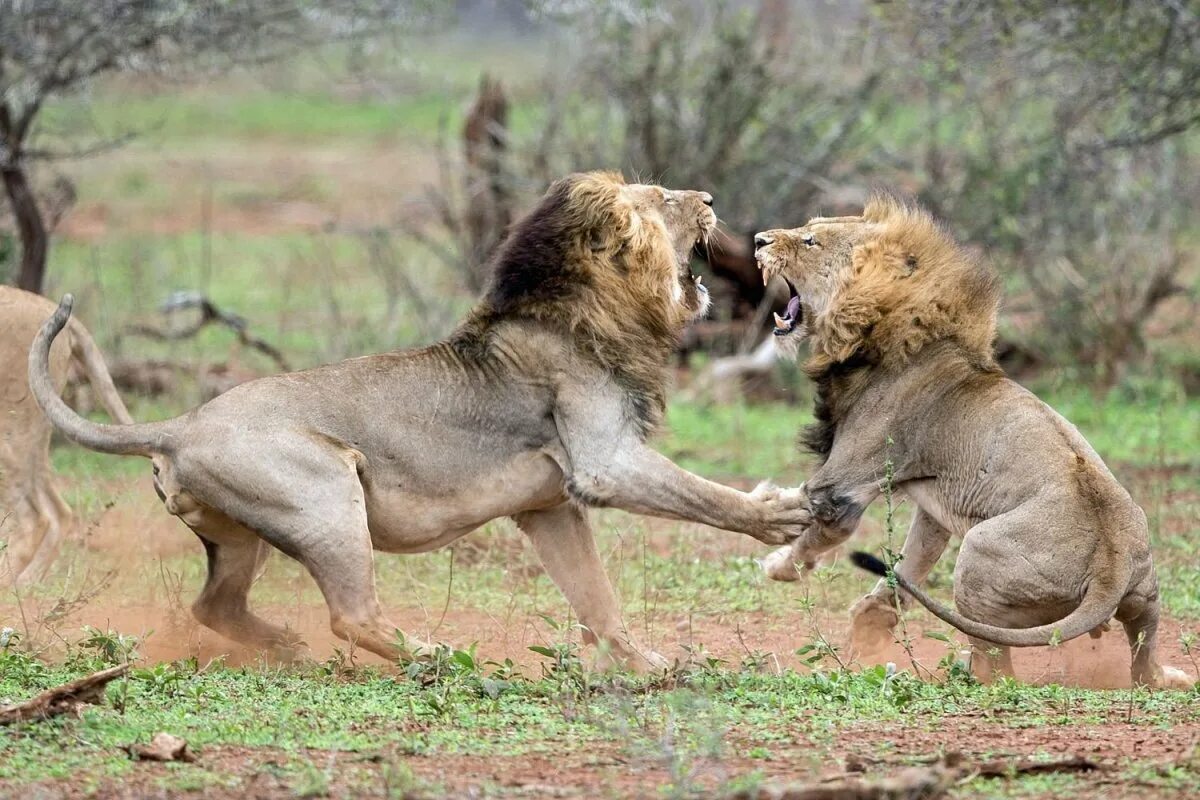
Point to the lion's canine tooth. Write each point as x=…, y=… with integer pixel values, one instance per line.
x=781, y=323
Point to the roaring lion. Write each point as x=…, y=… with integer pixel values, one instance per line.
x=900, y=323
x=536, y=407
x=33, y=518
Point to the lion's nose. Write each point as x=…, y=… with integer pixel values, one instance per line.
x=706, y=198
x=762, y=239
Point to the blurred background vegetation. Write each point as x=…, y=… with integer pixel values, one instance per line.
x=327, y=178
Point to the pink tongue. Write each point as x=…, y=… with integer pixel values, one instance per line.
x=793, y=309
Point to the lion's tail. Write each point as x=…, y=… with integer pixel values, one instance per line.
x=145, y=439
x=1097, y=607
x=87, y=354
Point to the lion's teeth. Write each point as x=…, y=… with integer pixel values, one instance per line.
x=781, y=323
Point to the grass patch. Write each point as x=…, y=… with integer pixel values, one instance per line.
x=318, y=723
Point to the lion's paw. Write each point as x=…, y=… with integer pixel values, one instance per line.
x=871, y=624
x=785, y=513
x=1176, y=679
x=781, y=565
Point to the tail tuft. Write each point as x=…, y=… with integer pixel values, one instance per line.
x=869, y=562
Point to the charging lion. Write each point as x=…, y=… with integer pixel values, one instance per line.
x=901, y=322
x=536, y=407
x=33, y=518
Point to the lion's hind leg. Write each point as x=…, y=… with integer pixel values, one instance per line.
x=989, y=661
x=303, y=495
x=875, y=615
x=1139, y=616
x=343, y=566
x=235, y=556
x=57, y=519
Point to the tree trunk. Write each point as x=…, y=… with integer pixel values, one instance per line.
x=30, y=227
x=489, y=202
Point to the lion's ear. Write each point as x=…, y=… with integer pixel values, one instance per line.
x=597, y=241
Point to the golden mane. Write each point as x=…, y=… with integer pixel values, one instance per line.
x=910, y=284
x=584, y=261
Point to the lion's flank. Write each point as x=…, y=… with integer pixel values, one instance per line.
x=581, y=263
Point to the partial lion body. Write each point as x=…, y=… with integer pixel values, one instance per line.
x=33, y=517
x=414, y=419
x=901, y=324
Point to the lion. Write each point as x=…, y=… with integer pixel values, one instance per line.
x=537, y=407
x=901, y=322
x=33, y=517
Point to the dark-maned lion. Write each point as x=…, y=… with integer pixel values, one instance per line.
x=901, y=323
x=535, y=408
x=33, y=518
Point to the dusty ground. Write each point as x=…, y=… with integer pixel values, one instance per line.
x=134, y=569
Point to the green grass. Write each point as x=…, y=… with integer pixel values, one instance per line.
x=408, y=94
x=309, y=294
x=321, y=716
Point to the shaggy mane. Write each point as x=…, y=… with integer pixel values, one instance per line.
x=910, y=286
x=585, y=263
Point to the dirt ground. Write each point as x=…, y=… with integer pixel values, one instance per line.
x=134, y=539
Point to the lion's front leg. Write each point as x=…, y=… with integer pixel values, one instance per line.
x=606, y=463
x=834, y=515
x=643, y=481
x=564, y=543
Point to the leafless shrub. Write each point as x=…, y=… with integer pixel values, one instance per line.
x=1045, y=135
x=472, y=205
x=50, y=49
x=770, y=112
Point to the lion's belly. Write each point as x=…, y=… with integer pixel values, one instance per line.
x=416, y=520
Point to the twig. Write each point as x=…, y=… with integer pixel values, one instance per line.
x=63, y=699
x=209, y=313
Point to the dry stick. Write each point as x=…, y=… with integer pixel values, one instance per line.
x=209, y=313
x=63, y=699
x=927, y=782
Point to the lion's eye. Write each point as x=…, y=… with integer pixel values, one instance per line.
x=670, y=200
x=809, y=240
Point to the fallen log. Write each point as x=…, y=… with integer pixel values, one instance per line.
x=64, y=699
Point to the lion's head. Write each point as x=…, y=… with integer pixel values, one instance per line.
x=607, y=250
x=608, y=263
x=879, y=287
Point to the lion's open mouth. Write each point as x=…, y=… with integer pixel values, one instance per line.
x=792, y=315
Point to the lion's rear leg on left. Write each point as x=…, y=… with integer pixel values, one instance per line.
x=34, y=520
x=223, y=604
x=59, y=521
x=343, y=566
